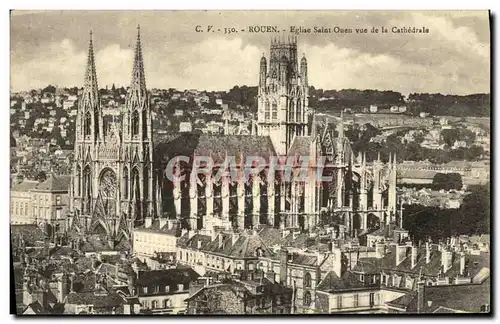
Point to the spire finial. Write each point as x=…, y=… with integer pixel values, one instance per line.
x=90, y=82
x=138, y=83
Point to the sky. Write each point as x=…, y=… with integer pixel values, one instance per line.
x=50, y=47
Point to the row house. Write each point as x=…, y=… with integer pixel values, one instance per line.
x=161, y=291
x=34, y=202
x=155, y=237
x=252, y=293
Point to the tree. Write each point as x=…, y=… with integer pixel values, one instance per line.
x=447, y=181
x=41, y=176
x=450, y=136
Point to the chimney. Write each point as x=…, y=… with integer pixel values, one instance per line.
x=400, y=253
x=379, y=250
x=148, y=221
x=283, y=265
x=320, y=257
x=63, y=287
x=414, y=253
x=446, y=259
x=462, y=263
x=427, y=253
x=164, y=221
x=342, y=232
x=220, y=240
x=420, y=295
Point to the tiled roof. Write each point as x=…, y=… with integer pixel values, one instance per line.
x=247, y=245
x=465, y=298
x=109, y=300
x=367, y=266
x=53, y=183
x=332, y=282
x=166, y=277
x=192, y=242
x=155, y=228
x=271, y=236
x=301, y=146
x=221, y=244
x=230, y=286
x=216, y=146
x=304, y=259
x=25, y=185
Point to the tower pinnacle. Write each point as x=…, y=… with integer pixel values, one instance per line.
x=138, y=84
x=90, y=82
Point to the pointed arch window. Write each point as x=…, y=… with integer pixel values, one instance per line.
x=307, y=280
x=96, y=126
x=267, y=110
x=135, y=123
x=144, y=126
x=87, y=124
x=125, y=183
x=291, y=111
x=274, y=111
x=135, y=193
x=146, y=183
x=307, y=298
x=87, y=188
x=78, y=181
x=299, y=112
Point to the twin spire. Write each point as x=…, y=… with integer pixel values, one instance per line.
x=90, y=87
x=138, y=83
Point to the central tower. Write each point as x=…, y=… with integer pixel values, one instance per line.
x=283, y=104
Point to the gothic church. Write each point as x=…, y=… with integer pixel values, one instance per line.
x=118, y=171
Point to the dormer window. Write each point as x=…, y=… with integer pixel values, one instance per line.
x=180, y=287
x=145, y=290
x=167, y=289
x=362, y=278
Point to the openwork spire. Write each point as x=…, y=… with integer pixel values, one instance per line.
x=90, y=82
x=90, y=96
x=138, y=85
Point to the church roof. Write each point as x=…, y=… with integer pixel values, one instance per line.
x=216, y=146
x=301, y=146
x=55, y=183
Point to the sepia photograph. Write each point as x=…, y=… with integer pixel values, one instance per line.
x=250, y=162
